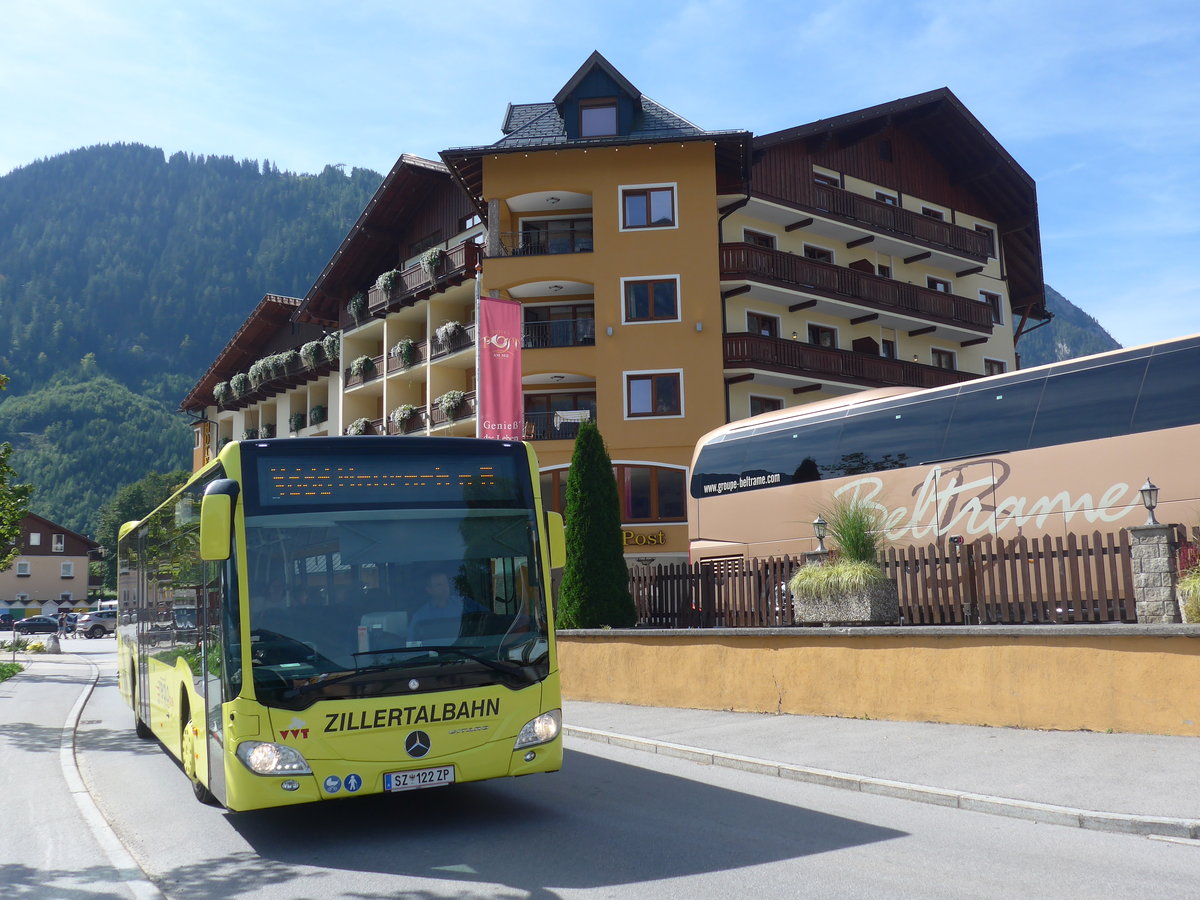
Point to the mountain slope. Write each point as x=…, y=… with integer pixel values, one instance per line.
x=1071, y=333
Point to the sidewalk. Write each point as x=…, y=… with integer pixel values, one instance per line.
x=1144, y=784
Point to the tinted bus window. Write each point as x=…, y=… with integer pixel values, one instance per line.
x=1169, y=391
x=992, y=418
x=901, y=435
x=786, y=456
x=1088, y=404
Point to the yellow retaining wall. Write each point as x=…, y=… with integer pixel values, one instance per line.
x=1124, y=678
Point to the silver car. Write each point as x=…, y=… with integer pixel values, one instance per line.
x=97, y=624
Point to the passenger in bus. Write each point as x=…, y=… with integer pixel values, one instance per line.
x=439, y=618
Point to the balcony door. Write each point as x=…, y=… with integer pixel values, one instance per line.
x=560, y=325
x=556, y=236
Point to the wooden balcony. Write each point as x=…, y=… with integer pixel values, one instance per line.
x=419, y=355
x=746, y=262
x=415, y=282
x=465, y=411
x=352, y=380
x=463, y=340
x=293, y=376
x=874, y=215
x=755, y=351
x=414, y=423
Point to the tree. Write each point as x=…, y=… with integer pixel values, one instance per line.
x=594, y=592
x=130, y=503
x=14, y=503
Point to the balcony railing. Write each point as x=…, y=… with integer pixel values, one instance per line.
x=525, y=243
x=560, y=333
x=353, y=380
x=902, y=223
x=461, y=340
x=456, y=266
x=811, y=361
x=746, y=261
x=420, y=353
x=555, y=426
x=465, y=411
x=279, y=381
x=415, y=422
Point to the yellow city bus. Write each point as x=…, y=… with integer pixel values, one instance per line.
x=1049, y=450
x=362, y=616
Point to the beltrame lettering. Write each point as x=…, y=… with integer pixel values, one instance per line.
x=403, y=716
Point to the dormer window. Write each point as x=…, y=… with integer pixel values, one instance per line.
x=598, y=117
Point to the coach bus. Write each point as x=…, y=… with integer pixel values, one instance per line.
x=1047, y=450
x=366, y=615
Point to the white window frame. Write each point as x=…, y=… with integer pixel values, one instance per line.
x=766, y=315
x=648, y=418
x=746, y=231
x=953, y=357
x=23, y=568
x=751, y=397
x=1003, y=364
x=678, y=300
x=946, y=215
x=893, y=198
x=652, y=464
x=66, y=569
x=58, y=543
x=35, y=539
x=946, y=281
x=622, y=188
x=832, y=253
x=998, y=309
x=837, y=334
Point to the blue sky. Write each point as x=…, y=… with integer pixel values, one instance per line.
x=1098, y=101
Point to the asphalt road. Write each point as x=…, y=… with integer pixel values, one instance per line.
x=613, y=823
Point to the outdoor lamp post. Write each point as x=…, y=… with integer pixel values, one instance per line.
x=820, y=529
x=1149, y=492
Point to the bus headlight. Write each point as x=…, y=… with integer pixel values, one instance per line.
x=264, y=758
x=541, y=730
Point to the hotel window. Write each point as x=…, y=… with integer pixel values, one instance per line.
x=884, y=271
x=652, y=299
x=598, y=117
x=653, y=394
x=759, y=239
x=994, y=367
x=822, y=336
x=889, y=199
x=66, y=570
x=764, y=404
x=21, y=598
x=767, y=326
x=35, y=539
x=23, y=570
x=938, y=284
x=650, y=493
x=469, y=222
x=943, y=359
x=66, y=597
x=933, y=213
x=996, y=303
x=827, y=180
x=887, y=349
x=991, y=238
x=818, y=253
x=59, y=543
x=648, y=207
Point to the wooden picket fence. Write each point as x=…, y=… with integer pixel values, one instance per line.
x=1080, y=578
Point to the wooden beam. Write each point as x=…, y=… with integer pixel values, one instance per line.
x=800, y=223
x=806, y=389
x=974, y=270
x=973, y=342
x=733, y=292
x=850, y=245
x=917, y=257
x=807, y=304
x=870, y=317
x=921, y=331
x=738, y=379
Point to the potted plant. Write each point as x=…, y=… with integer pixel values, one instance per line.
x=312, y=353
x=363, y=367
x=221, y=392
x=850, y=588
x=267, y=431
x=399, y=416
x=333, y=345
x=317, y=415
x=430, y=260
x=250, y=434
x=358, y=306
x=239, y=384
x=387, y=282
x=450, y=402
x=404, y=350
x=359, y=427
x=295, y=422
x=448, y=332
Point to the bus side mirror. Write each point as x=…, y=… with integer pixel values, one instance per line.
x=558, y=540
x=216, y=519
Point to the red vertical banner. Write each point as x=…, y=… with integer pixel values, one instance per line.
x=500, y=404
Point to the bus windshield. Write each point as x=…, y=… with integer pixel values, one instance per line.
x=351, y=603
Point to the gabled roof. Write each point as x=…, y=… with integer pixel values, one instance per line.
x=32, y=518
x=352, y=265
x=593, y=62
x=245, y=347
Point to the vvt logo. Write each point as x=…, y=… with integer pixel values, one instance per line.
x=417, y=744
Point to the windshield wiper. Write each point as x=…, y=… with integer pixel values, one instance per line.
x=507, y=668
x=338, y=679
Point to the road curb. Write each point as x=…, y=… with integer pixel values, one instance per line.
x=1044, y=813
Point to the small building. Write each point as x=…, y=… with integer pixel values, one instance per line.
x=51, y=573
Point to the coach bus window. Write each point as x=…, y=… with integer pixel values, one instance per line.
x=798, y=455
x=901, y=435
x=1088, y=404
x=1170, y=390
x=992, y=419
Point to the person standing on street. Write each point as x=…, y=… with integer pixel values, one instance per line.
x=62, y=624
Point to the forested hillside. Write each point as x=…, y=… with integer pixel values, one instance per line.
x=1071, y=333
x=122, y=274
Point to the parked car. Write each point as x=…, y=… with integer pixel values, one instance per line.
x=36, y=625
x=6, y=621
x=97, y=624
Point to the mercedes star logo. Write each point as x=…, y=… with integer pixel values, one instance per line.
x=417, y=744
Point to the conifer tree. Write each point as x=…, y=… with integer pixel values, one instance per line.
x=594, y=592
